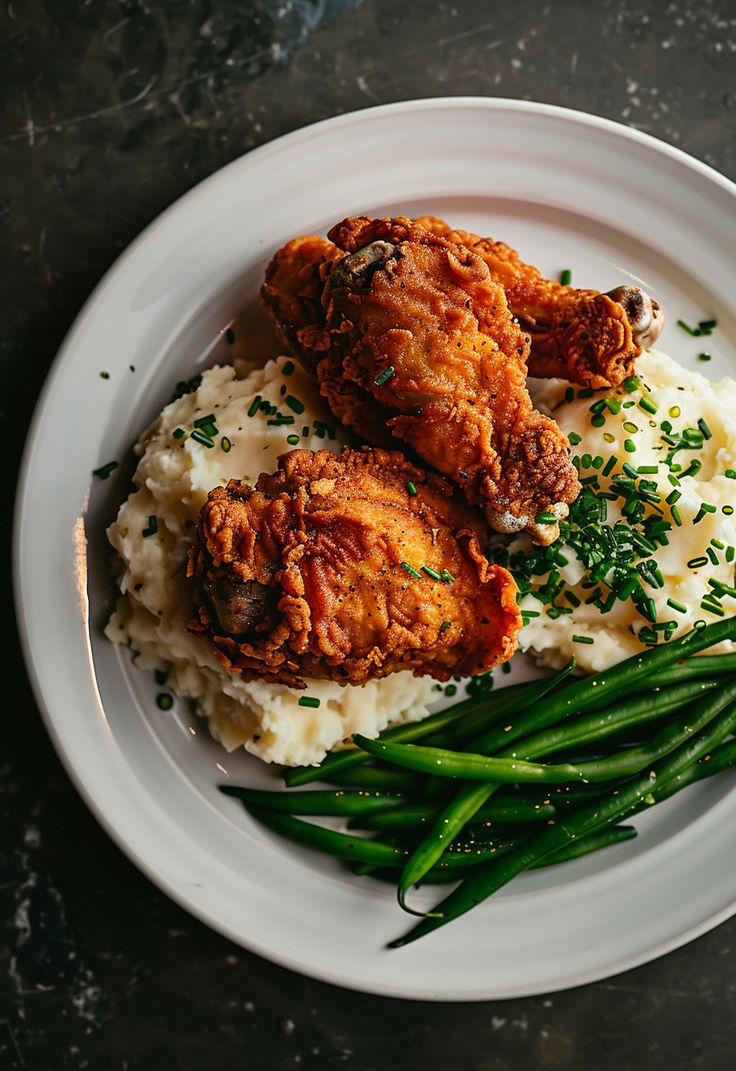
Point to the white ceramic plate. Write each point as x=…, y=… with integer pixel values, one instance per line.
x=569, y=191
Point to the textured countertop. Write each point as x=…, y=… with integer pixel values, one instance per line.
x=109, y=111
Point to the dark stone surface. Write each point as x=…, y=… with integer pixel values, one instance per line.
x=108, y=111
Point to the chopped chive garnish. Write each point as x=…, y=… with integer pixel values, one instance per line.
x=675, y=513
x=712, y=555
x=572, y=598
x=629, y=470
x=586, y=392
x=411, y=570
x=445, y=625
x=728, y=510
x=707, y=325
x=630, y=426
x=164, y=701
x=319, y=432
x=309, y=701
x=598, y=407
x=545, y=517
x=225, y=445
x=280, y=420
x=411, y=488
x=574, y=438
x=104, y=375
x=254, y=406
x=384, y=375
x=647, y=405
x=693, y=468
x=104, y=470
x=565, y=277
x=288, y=368
x=569, y=394
x=451, y=689
x=697, y=563
x=643, y=469
x=707, y=433
x=597, y=462
x=694, y=331
x=582, y=639
x=586, y=460
x=672, y=497
x=730, y=473
x=305, y=431
x=629, y=446
x=431, y=572
x=598, y=420
x=730, y=553
x=718, y=544
x=178, y=433
x=200, y=437
x=613, y=405
x=203, y=421
x=610, y=465
x=704, y=357
x=680, y=607
x=292, y=440
x=294, y=403
x=152, y=527
x=630, y=384
x=446, y=576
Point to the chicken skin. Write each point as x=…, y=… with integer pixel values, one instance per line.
x=582, y=335
x=419, y=324
x=348, y=567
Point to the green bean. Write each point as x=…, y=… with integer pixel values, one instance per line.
x=704, y=666
x=601, y=724
x=416, y=814
x=341, y=845
x=594, y=842
x=472, y=767
x=374, y=777
x=721, y=758
x=451, y=820
x=417, y=730
x=615, y=683
x=716, y=719
x=467, y=766
x=337, y=804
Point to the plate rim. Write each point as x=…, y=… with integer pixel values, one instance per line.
x=183, y=203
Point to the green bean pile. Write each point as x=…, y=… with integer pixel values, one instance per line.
x=465, y=796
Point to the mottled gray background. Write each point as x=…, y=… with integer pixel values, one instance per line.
x=109, y=110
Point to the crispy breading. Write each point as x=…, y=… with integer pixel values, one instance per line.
x=348, y=567
x=581, y=335
x=423, y=328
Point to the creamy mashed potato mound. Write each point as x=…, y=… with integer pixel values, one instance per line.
x=173, y=477
x=696, y=502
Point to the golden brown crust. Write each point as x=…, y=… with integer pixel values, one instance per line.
x=580, y=335
x=329, y=538
x=430, y=312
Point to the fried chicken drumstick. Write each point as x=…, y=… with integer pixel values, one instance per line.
x=581, y=335
x=348, y=567
x=415, y=323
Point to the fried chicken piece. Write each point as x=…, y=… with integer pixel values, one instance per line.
x=581, y=335
x=291, y=295
x=421, y=326
x=348, y=567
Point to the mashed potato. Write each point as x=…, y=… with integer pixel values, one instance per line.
x=649, y=547
x=173, y=478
